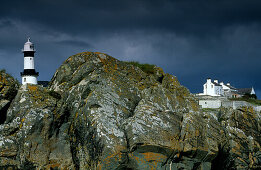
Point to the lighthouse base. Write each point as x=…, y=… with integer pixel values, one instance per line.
x=29, y=79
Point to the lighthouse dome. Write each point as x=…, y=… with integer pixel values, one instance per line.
x=28, y=46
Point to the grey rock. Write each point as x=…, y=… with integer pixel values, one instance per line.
x=8, y=90
x=101, y=113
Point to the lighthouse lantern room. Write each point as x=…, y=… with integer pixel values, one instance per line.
x=29, y=75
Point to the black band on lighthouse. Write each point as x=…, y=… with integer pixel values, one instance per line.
x=29, y=53
x=29, y=72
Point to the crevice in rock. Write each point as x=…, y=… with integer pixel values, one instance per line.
x=4, y=113
x=196, y=165
x=73, y=148
x=95, y=106
x=160, y=79
x=86, y=93
x=127, y=140
x=125, y=163
x=8, y=167
x=84, y=135
x=124, y=167
x=10, y=95
x=2, y=87
x=10, y=130
x=140, y=147
x=174, y=157
x=27, y=165
x=57, y=123
x=223, y=160
x=132, y=111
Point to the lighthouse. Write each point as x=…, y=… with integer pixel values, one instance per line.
x=29, y=75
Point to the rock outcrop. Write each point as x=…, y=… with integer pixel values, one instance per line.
x=101, y=113
x=8, y=89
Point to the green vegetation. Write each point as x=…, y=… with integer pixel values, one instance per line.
x=147, y=68
x=248, y=99
x=209, y=110
x=250, y=96
x=2, y=71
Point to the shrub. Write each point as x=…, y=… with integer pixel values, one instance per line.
x=147, y=68
x=2, y=71
x=249, y=100
x=249, y=96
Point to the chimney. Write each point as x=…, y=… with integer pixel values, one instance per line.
x=222, y=83
x=228, y=84
x=216, y=81
x=208, y=80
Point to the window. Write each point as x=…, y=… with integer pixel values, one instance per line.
x=24, y=79
x=30, y=58
x=211, y=86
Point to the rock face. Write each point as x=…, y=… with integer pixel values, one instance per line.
x=8, y=89
x=101, y=113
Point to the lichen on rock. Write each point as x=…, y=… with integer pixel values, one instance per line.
x=102, y=113
x=8, y=89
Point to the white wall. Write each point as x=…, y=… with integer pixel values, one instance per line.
x=224, y=86
x=215, y=104
x=218, y=90
x=28, y=46
x=210, y=103
x=29, y=79
x=209, y=88
x=28, y=62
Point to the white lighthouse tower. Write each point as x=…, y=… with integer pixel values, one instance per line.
x=29, y=75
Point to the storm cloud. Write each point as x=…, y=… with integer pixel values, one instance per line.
x=190, y=39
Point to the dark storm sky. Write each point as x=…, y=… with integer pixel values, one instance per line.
x=192, y=39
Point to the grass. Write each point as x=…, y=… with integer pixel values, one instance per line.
x=249, y=100
x=209, y=109
x=2, y=71
x=147, y=68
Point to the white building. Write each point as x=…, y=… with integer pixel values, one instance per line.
x=212, y=88
x=216, y=95
x=29, y=75
x=228, y=89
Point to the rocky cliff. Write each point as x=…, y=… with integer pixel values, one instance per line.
x=101, y=113
x=8, y=89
